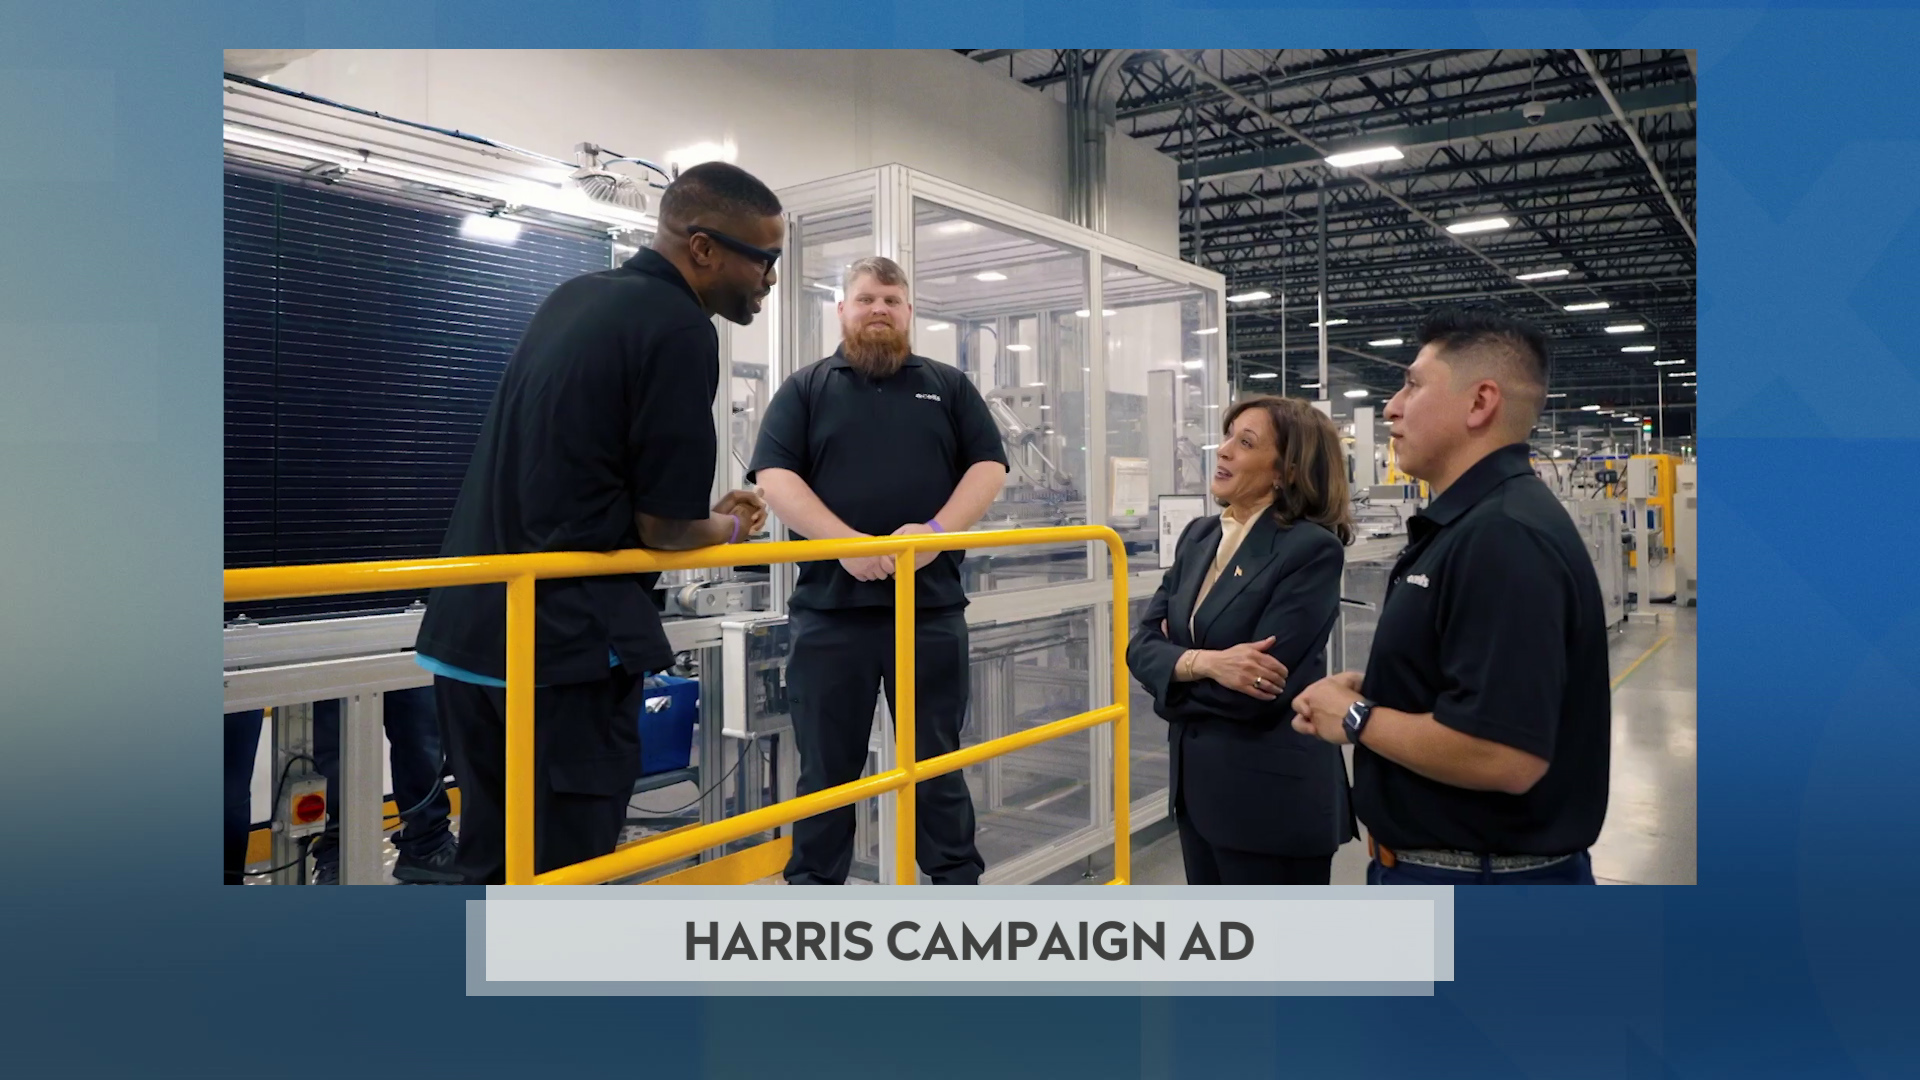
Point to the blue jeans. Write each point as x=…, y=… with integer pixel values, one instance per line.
x=413, y=739
x=1577, y=870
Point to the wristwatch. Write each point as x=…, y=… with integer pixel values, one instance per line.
x=1356, y=719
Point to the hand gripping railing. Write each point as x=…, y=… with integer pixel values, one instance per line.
x=519, y=572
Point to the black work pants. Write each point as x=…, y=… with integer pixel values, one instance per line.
x=586, y=758
x=840, y=659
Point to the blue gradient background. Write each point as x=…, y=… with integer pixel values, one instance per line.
x=122, y=956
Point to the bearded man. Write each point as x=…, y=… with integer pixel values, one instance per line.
x=875, y=441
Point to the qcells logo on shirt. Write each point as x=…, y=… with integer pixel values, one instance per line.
x=928, y=397
x=1417, y=579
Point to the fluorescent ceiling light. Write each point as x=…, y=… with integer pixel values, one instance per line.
x=1542, y=275
x=1309, y=386
x=955, y=228
x=933, y=327
x=491, y=230
x=1356, y=393
x=1668, y=363
x=1638, y=348
x=1105, y=312
x=1479, y=225
x=1348, y=159
x=1681, y=374
x=1019, y=348
x=1332, y=322
x=1556, y=395
x=1589, y=408
x=1208, y=330
x=1193, y=365
x=287, y=144
x=991, y=275
x=1627, y=328
x=1389, y=342
x=1596, y=305
x=1249, y=297
x=1264, y=375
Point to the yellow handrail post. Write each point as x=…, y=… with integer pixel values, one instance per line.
x=520, y=742
x=1122, y=730
x=904, y=697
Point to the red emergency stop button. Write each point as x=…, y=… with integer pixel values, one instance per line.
x=309, y=808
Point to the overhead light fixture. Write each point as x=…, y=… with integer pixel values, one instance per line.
x=955, y=228
x=1310, y=386
x=1589, y=408
x=1332, y=322
x=935, y=327
x=1680, y=374
x=488, y=229
x=1208, y=330
x=1627, y=328
x=1556, y=395
x=1595, y=305
x=1019, y=348
x=1356, y=393
x=990, y=275
x=1349, y=158
x=1639, y=348
x=1387, y=343
x=1542, y=275
x=1479, y=225
x=1193, y=365
x=288, y=144
x=1249, y=297
x=1668, y=363
x=1264, y=375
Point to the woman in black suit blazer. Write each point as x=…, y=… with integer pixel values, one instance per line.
x=1238, y=626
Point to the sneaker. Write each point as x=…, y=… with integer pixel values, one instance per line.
x=434, y=868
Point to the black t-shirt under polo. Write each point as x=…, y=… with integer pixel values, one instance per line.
x=880, y=454
x=1494, y=623
x=606, y=408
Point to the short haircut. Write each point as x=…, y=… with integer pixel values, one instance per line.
x=1311, y=461
x=716, y=189
x=1481, y=342
x=879, y=268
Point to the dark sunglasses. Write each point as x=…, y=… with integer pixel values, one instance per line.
x=764, y=257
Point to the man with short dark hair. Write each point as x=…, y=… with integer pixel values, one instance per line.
x=1482, y=724
x=599, y=438
x=875, y=441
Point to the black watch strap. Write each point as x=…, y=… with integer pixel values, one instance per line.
x=1356, y=719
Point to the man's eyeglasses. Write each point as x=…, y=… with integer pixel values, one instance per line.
x=766, y=258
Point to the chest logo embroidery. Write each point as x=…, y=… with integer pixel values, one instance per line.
x=928, y=397
x=1417, y=579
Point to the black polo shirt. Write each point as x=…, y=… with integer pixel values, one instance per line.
x=880, y=454
x=1493, y=623
x=604, y=409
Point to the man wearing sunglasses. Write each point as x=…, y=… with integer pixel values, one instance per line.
x=875, y=441
x=600, y=437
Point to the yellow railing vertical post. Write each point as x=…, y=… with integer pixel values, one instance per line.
x=520, y=742
x=1122, y=728
x=904, y=698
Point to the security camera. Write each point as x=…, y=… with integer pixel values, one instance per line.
x=1534, y=112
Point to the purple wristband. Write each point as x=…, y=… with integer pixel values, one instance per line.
x=934, y=524
x=735, y=538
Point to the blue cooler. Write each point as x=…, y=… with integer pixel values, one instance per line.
x=666, y=724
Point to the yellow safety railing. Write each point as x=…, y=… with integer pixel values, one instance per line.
x=519, y=572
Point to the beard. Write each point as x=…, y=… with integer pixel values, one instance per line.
x=876, y=350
